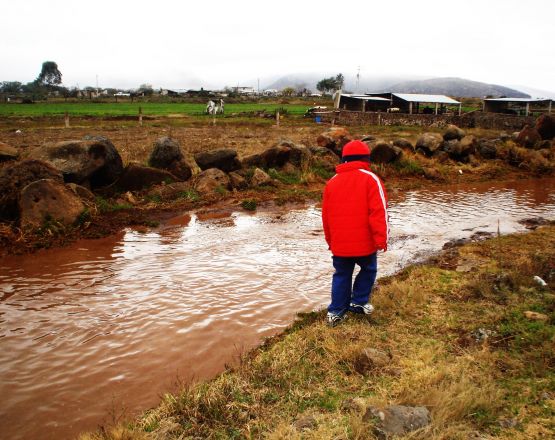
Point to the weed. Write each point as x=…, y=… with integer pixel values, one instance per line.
x=408, y=167
x=287, y=178
x=221, y=190
x=249, y=204
x=189, y=194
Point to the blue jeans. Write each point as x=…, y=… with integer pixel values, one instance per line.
x=343, y=291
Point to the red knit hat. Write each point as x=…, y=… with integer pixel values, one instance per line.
x=355, y=148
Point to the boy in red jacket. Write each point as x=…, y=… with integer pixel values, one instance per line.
x=354, y=215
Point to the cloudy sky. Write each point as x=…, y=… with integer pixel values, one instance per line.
x=184, y=44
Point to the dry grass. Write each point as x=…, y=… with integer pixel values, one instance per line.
x=425, y=318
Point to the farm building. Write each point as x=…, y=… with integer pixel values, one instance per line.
x=400, y=102
x=517, y=106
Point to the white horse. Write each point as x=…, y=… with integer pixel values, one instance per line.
x=211, y=107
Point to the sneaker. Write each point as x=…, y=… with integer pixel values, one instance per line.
x=334, y=319
x=365, y=308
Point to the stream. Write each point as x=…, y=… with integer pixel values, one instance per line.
x=100, y=329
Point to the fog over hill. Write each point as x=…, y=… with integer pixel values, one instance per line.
x=457, y=87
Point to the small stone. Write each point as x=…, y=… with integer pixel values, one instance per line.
x=237, y=181
x=305, y=423
x=7, y=152
x=260, y=178
x=540, y=281
x=535, y=316
x=370, y=359
x=398, y=419
x=508, y=423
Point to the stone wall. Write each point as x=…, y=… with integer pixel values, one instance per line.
x=466, y=120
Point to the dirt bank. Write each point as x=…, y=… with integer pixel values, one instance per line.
x=456, y=336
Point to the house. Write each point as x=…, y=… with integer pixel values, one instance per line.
x=241, y=90
x=270, y=92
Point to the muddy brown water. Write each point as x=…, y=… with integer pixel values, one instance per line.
x=103, y=327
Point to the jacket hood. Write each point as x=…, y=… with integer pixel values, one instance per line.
x=350, y=166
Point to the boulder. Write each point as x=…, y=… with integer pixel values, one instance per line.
x=260, y=178
x=428, y=143
x=273, y=157
x=167, y=155
x=224, y=159
x=453, y=132
x=209, y=180
x=15, y=176
x=95, y=161
x=237, y=181
x=441, y=156
x=324, y=158
x=385, y=153
x=299, y=154
x=169, y=191
x=459, y=150
x=487, y=149
x=370, y=359
x=137, y=177
x=397, y=419
x=403, y=144
x=81, y=192
x=7, y=152
x=334, y=139
x=528, y=137
x=48, y=199
x=545, y=125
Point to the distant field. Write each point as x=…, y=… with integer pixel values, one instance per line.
x=126, y=109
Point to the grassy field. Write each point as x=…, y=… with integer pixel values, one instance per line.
x=131, y=109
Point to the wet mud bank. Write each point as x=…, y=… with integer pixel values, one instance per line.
x=123, y=318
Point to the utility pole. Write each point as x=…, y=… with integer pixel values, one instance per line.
x=258, y=81
x=97, y=84
x=358, y=80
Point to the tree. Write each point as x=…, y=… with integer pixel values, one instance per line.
x=49, y=75
x=10, y=87
x=288, y=91
x=331, y=84
x=145, y=89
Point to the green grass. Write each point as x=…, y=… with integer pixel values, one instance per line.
x=132, y=109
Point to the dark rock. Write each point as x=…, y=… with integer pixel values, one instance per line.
x=544, y=144
x=528, y=137
x=224, y=159
x=298, y=154
x=385, y=153
x=169, y=191
x=403, y=144
x=459, y=150
x=428, y=143
x=545, y=125
x=441, y=156
x=432, y=174
x=487, y=149
x=95, y=161
x=324, y=158
x=273, y=157
x=533, y=222
x=453, y=132
x=7, y=152
x=237, y=181
x=370, y=359
x=167, y=155
x=137, y=177
x=15, y=176
x=397, y=419
x=48, y=199
x=209, y=180
x=334, y=139
x=368, y=138
x=260, y=178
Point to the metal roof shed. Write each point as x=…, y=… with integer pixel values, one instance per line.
x=363, y=103
x=516, y=105
x=410, y=102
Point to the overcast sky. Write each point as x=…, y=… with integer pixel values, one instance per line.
x=185, y=44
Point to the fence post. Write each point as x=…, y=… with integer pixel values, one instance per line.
x=277, y=118
x=140, y=116
x=66, y=119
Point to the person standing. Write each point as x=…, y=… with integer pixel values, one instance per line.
x=355, y=221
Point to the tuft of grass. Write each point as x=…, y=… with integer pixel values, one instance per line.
x=408, y=167
x=249, y=204
x=189, y=194
x=287, y=178
x=105, y=206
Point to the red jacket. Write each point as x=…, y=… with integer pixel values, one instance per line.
x=354, y=211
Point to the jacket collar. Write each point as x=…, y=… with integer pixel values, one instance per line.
x=350, y=166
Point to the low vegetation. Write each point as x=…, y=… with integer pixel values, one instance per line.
x=460, y=343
